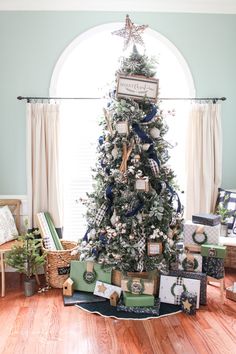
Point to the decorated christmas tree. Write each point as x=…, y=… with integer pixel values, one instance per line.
x=133, y=213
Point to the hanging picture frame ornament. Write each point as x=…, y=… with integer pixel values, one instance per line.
x=154, y=248
x=142, y=184
x=122, y=127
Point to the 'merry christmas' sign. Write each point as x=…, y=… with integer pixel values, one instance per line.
x=137, y=87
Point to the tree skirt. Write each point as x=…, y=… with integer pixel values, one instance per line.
x=106, y=310
x=102, y=307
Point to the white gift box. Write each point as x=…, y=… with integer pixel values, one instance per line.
x=171, y=288
x=105, y=290
x=190, y=262
x=122, y=127
x=201, y=233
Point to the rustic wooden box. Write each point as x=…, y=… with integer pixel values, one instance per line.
x=230, y=259
x=230, y=294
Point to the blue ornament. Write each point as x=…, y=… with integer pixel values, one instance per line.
x=100, y=140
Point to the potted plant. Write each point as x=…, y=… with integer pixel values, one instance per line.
x=225, y=214
x=25, y=257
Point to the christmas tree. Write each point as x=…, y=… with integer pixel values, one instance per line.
x=133, y=213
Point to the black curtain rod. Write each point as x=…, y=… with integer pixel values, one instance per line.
x=214, y=99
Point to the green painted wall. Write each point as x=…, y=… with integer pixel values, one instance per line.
x=31, y=43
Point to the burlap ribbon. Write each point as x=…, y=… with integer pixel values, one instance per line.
x=108, y=121
x=125, y=156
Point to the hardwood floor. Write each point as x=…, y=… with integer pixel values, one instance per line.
x=41, y=324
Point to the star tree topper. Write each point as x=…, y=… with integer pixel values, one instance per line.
x=131, y=33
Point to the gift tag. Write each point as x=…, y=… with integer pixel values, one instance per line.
x=234, y=287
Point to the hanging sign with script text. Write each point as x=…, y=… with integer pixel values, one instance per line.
x=137, y=87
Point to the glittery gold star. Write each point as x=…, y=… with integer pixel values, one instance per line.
x=131, y=33
x=102, y=288
x=187, y=305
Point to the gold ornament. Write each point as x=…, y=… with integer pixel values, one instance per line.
x=187, y=305
x=102, y=288
x=131, y=33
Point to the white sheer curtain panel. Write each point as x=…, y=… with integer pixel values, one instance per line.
x=204, y=158
x=43, y=150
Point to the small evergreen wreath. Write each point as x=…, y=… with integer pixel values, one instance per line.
x=184, y=264
x=135, y=287
x=90, y=277
x=199, y=242
x=172, y=289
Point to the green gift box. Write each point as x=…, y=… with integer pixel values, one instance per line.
x=138, y=300
x=213, y=251
x=85, y=274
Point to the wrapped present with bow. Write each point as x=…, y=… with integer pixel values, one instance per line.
x=206, y=219
x=138, y=286
x=171, y=288
x=86, y=273
x=188, y=302
x=198, y=235
x=190, y=262
x=151, y=310
x=138, y=300
x=213, y=251
x=213, y=267
x=194, y=275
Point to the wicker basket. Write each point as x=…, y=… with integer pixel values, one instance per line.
x=58, y=264
x=230, y=294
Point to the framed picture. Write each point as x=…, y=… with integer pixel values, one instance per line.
x=137, y=87
x=154, y=248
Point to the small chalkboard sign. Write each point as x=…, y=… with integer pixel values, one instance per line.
x=63, y=270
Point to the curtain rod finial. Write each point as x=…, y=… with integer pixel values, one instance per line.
x=19, y=97
x=223, y=98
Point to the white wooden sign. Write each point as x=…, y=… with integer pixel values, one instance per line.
x=105, y=290
x=137, y=87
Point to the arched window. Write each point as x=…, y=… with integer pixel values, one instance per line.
x=86, y=69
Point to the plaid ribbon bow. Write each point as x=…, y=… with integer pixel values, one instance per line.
x=154, y=167
x=177, y=297
x=100, y=214
x=141, y=250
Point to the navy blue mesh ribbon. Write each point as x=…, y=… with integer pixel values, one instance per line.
x=95, y=252
x=85, y=238
x=141, y=134
x=103, y=239
x=152, y=155
x=134, y=211
x=150, y=115
x=109, y=195
x=174, y=194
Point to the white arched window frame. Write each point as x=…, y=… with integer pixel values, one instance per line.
x=86, y=69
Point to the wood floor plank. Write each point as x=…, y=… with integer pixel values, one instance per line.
x=42, y=324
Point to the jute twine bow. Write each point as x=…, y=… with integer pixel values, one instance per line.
x=200, y=229
x=125, y=156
